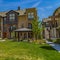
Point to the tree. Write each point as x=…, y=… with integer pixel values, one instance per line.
x=37, y=29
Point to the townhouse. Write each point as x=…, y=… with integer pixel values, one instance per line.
x=16, y=19
x=52, y=25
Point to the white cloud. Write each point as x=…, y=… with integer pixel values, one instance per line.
x=28, y=1
x=36, y=4
x=58, y=4
x=16, y=3
x=41, y=8
x=54, y=5
x=49, y=7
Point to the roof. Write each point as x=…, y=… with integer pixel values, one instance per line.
x=3, y=14
x=23, y=30
x=46, y=19
x=21, y=12
x=56, y=10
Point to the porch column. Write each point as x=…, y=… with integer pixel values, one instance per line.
x=18, y=36
x=27, y=35
x=22, y=35
x=15, y=34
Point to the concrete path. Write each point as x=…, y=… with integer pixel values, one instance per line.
x=55, y=46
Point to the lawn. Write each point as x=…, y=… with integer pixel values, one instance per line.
x=27, y=51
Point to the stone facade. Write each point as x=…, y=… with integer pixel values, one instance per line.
x=46, y=25
x=16, y=19
x=1, y=27
x=54, y=24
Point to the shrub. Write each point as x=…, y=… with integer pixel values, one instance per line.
x=57, y=41
x=39, y=41
x=50, y=40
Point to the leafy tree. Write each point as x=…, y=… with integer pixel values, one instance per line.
x=37, y=29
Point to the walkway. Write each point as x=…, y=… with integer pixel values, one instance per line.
x=55, y=46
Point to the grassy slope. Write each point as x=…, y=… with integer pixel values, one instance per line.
x=27, y=51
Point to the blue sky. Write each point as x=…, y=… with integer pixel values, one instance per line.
x=45, y=8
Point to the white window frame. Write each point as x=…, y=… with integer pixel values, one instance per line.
x=12, y=17
x=31, y=15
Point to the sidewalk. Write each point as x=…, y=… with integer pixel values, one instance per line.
x=55, y=46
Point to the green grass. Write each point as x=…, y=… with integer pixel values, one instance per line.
x=27, y=51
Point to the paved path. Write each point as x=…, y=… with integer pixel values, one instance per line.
x=55, y=46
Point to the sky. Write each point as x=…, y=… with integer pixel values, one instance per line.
x=45, y=8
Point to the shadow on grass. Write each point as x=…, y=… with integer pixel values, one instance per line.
x=47, y=47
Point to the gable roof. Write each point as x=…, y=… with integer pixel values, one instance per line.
x=11, y=11
x=21, y=12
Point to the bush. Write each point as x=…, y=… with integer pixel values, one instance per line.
x=50, y=40
x=39, y=41
x=57, y=41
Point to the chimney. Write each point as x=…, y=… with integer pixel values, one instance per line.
x=18, y=8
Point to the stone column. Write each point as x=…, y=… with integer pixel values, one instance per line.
x=22, y=37
x=27, y=35
x=15, y=34
x=18, y=37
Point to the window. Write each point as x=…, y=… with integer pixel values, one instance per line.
x=5, y=20
x=46, y=24
x=31, y=15
x=12, y=28
x=30, y=25
x=12, y=17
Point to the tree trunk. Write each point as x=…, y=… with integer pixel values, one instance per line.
x=34, y=37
